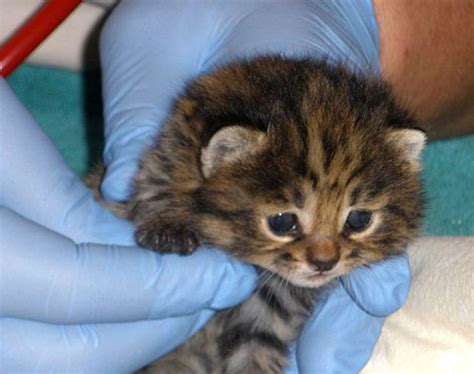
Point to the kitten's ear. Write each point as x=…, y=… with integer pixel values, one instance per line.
x=410, y=142
x=229, y=144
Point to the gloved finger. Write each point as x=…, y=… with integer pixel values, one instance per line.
x=150, y=49
x=37, y=183
x=46, y=277
x=339, y=337
x=34, y=347
x=382, y=288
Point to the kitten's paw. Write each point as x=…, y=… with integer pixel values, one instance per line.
x=167, y=239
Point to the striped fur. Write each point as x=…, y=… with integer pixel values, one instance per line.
x=250, y=338
x=266, y=136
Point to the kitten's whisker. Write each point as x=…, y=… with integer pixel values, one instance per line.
x=264, y=273
x=270, y=277
x=263, y=279
x=268, y=273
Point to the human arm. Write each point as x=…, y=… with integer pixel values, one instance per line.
x=427, y=55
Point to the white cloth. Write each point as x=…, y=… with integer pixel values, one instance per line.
x=434, y=331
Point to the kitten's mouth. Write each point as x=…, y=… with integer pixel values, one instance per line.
x=317, y=276
x=307, y=277
x=313, y=280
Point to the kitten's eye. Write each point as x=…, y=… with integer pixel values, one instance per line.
x=282, y=223
x=358, y=220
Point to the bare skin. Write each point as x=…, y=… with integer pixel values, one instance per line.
x=427, y=54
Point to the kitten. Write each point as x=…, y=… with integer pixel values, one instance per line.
x=299, y=168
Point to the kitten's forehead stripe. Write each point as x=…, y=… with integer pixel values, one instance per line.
x=298, y=198
x=329, y=146
x=355, y=195
x=356, y=173
x=312, y=178
x=335, y=187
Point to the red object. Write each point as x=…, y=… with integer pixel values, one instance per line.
x=33, y=32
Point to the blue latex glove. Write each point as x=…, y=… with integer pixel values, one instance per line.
x=347, y=321
x=149, y=49
x=66, y=306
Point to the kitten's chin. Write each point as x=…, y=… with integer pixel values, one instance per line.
x=305, y=276
x=310, y=279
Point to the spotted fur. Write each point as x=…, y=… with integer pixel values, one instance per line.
x=270, y=135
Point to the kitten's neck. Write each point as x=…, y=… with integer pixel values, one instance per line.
x=276, y=310
x=277, y=291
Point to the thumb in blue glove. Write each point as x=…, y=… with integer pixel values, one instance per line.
x=347, y=321
x=95, y=307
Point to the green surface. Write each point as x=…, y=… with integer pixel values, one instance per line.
x=68, y=106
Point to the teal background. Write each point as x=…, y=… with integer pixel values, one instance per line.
x=68, y=106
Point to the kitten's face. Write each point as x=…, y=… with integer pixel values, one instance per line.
x=312, y=223
x=302, y=169
x=324, y=189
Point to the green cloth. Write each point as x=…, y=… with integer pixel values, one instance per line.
x=68, y=106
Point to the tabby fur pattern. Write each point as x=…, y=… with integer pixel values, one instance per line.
x=264, y=137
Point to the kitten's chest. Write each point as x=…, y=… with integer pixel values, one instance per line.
x=276, y=311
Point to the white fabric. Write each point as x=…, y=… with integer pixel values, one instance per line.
x=434, y=331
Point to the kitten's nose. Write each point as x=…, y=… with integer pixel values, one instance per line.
x=323, y=254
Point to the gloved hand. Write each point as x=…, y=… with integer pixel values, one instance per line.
x=66, y=306
x=347, y=321
x=149, y=49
